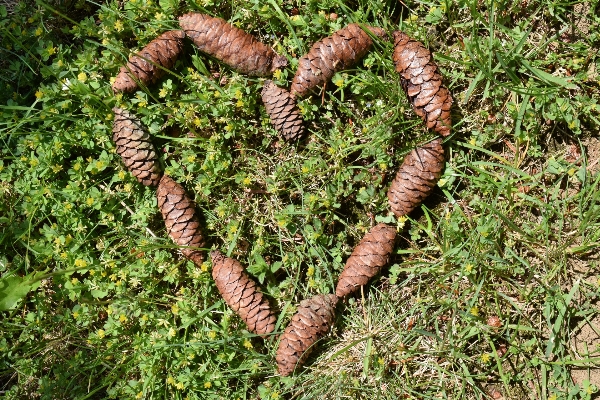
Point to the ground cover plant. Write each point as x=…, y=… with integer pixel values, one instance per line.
x=492, y=288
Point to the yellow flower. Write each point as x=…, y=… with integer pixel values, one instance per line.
x=122, y=318
x=474, y=311
x=311, y=271
x=74, y=281
x=248, y=344
x=89, y=201
x=39, y=94
x=170, y=380
x=139, y=395
x=75, y=314
x=171, y=333
x=212, y=335
x=82, y=77
x=339, y=82
x=51, y=50
x=101, y=333
x=162, y=92
x=207, y=385
x=119, y=26
x=81, y=263
x=175, y=309
x=180, y=385
x=485, y=358
x=39, y=31
x=469, y=268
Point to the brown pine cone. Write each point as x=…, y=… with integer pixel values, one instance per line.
x=416, y=178
x=282, y=109
x=422, y=82
x=332, y=54
x=311, y=322
x=135, y=148
x=236, y=48
x=180, y=217
x=367, y=259
x=145, y=67
x=241, y=294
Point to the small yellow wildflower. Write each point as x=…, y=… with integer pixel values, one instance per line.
x=51, y=50
x=39, y=31
x=171, y=333
x=248, y=344
x=74, y=281
x=89, y=201
x=122, y=318
x=139, y=395
x=175, y=309
x=101, y=333
x=212, y=335
x=82, y=77
x=39, y=94
x=469, y=268
x=75, y=314
x=119, y=26
x=311, y=271
x=162, y=92
x=170, y=380
x=180, y=385
x=204, y=267
x=207, y=385
x=339, y=82
x=474, y=311
x=485, y=358
x=81, y=263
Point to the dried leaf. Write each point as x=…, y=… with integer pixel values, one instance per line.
x=330, y=55
x=422, y=82
x=180, y=217
x=241, y=294
x=416, y=178
x=145, y=67
x=367, y=259
x=135, y=148
x=282, y=109
x=236, y=48
x=311, y=322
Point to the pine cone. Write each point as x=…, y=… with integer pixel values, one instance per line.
x=180, y=217
x=241, y=294
x=236, y=48
x=367, y=259
x=330, y=55
x=312, y=321
x=416, y=178
x=146, y=66
x=422, y=82
x=135, y=148
x=282, y=109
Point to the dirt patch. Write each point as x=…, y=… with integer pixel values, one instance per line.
x=586, y=344
x=593, y=154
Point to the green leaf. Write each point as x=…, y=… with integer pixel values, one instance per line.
x=15, y=288
x=98, y=294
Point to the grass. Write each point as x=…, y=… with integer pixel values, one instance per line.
x=493, y=288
